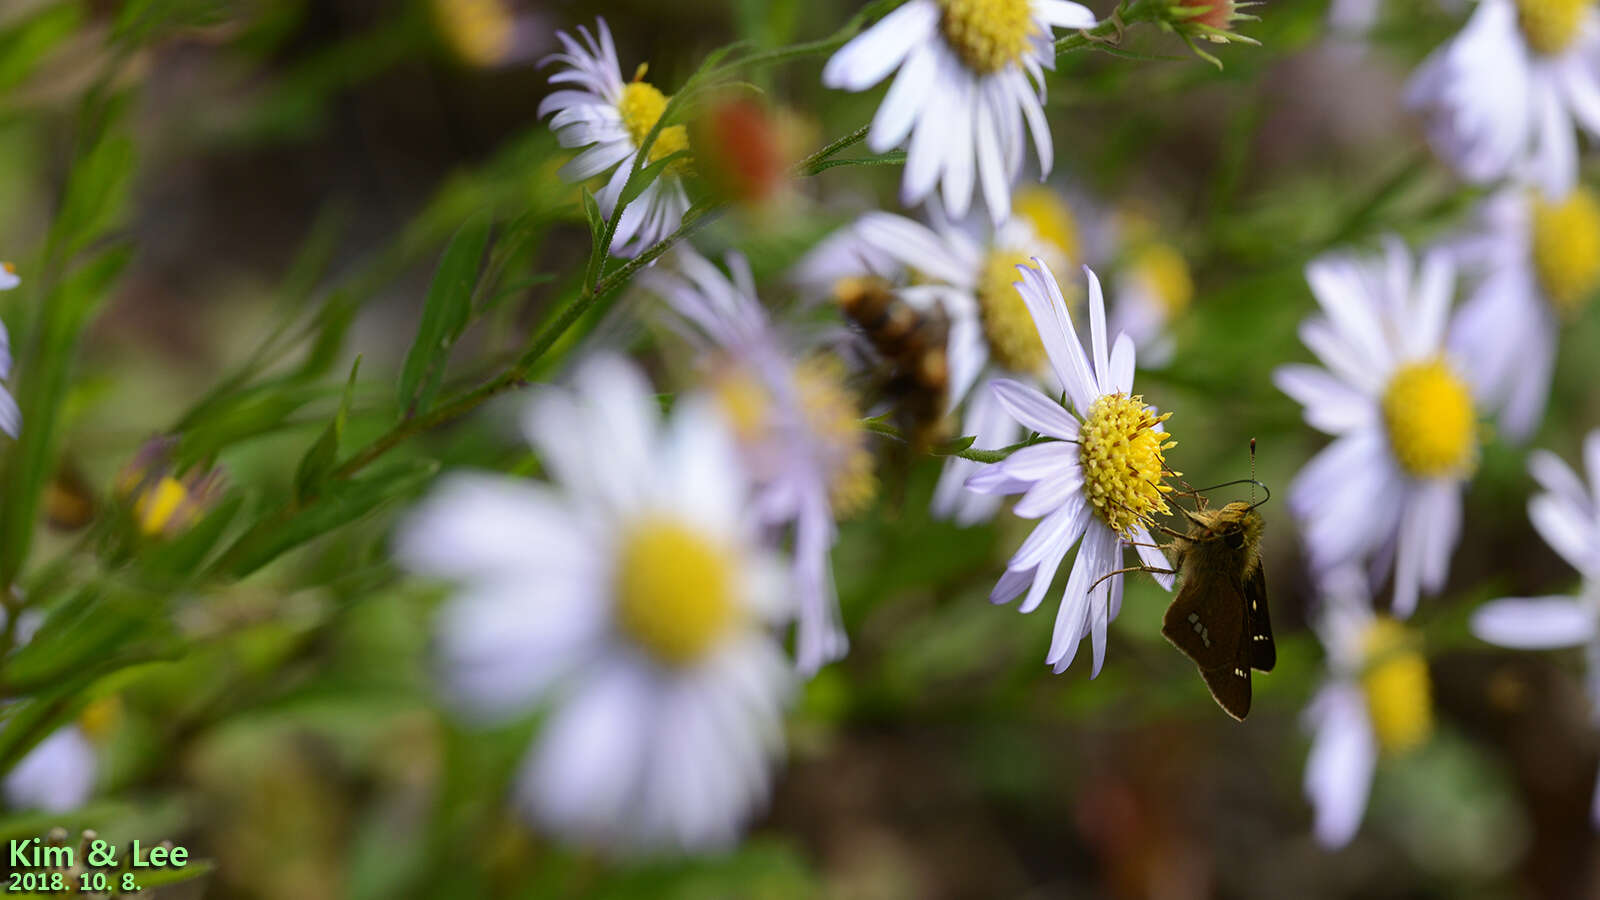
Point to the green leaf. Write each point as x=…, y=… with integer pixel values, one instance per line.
x=324, y=453
x=338, y=505
x=181, y=557
x=42, y=376
x=444, y=316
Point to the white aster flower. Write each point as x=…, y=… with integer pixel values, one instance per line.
x=59, y=773
x=1540, y=264
x=1100, y=478
x=637, y=598
x=1567, y=516
x=1502, y=97
x=797, y=426
x=1401, y=405
x=10, y=416
x=968, y=270
x=1375, y=702
x=970, y=73
x=612, y=119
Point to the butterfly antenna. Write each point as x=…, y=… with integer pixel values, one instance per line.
x=1253, y=473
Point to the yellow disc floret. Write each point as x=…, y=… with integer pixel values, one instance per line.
x=482, y=32
x=156, y=507
x=1166, y=274
x=1566, y=248
x=674, y=591
x=1394, y=678
x=988, y=35
x=834, y=417
x=1124, y=461
x=1051, y=219
x=641, y=107
x=1007, y=325
x=1432, y=426
x=1550, y=26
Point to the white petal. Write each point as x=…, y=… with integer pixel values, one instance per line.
x=1063, y=14
x=1034, y=410
x=1567, y=531
x=1097, y=333
x=584, y=773
x=56, y=776
x=1053, y=321
x=1339, y=769
x=905, y=100
x=1331, y=405
x=1121, y=373
x=873, y=54
x=1534, y=623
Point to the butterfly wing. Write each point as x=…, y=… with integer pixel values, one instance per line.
x=1206, y=621
x=1263, y=652
x=1209, y=622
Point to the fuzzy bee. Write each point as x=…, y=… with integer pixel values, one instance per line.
x=912, y=344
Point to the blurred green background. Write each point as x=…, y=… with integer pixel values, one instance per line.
x=222, y=204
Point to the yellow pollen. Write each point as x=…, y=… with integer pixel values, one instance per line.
x=1051, y=219
x=1550, y=26
x=1394, y=678
x=1566, y=249
x=674, y=591
x=641, y=107
x=1166, y=272
x=10, y=268
x=156, y=507
x=988, y=35
x=835, y=419
x=1432, y=426
x=482, y=32
x=1124, y=461
x=1007, y=325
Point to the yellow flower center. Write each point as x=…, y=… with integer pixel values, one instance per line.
x=10, y=267
x=1566, y=248
x=988, y=35
x=1007, y=325
x=1166, y=272
x=744, y=401
x=1395, y=680
x=641, y=107
x=1431, y=422
x=834, y=416
x=100, y=717
x=1124, y=461
x=1551, y=25
x=482, y=32
x=674, y=591
x=1051, y=219
x=156, y=507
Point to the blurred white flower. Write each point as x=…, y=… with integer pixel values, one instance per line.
x=1567, y=516
x=1099, y=479
x=1502, y=97
x=798, y=429
x=612, y=119
x=10, y=416
x=58, y=774
x=1375, y=701
x=637, y=597
x=968, y=270
x=1540, y=263
x=970, y=73
x=1401, y=405
x=1153, y=287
